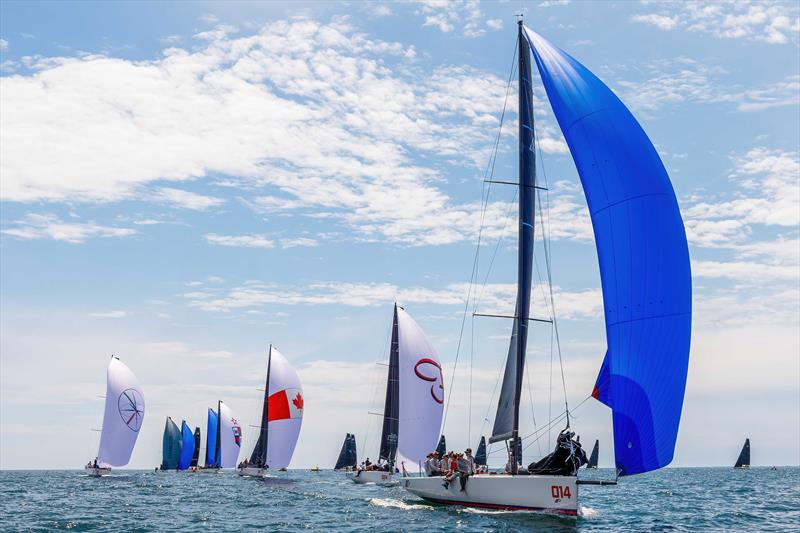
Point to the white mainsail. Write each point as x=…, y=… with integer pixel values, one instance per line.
x=230, y=437
x=123, y=416
x=285, y=411
x=421, y=395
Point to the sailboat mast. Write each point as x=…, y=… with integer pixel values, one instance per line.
x=527, y=199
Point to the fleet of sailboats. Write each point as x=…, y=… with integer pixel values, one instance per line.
x=647, y=310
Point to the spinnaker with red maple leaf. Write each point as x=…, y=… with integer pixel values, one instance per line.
x=281, y=418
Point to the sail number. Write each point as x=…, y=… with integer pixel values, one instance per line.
x=560, y=492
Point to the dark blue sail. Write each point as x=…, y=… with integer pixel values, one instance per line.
x=187, y=447
x=196, y=456
x=212, y=454
x=480, y=455
x=441, y=449
x=643, y=256
x=506, y=422
x=171, y=446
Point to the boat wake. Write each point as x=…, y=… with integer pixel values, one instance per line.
x=397, y=504
x=588, y=512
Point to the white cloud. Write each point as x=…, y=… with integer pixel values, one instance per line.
x=745, y=271
x=659, y=21
x=495, y=24
x=768, y=21
x=298, y=242
x=172, y=39
x=3, y=44
x=186, y=199
x=491, y=298
x=446, y=14
x=35, y=226
x=110, y=314
x=308, y=110
x=209, y=18
x=246, y=241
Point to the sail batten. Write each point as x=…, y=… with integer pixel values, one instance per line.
x=643, y=256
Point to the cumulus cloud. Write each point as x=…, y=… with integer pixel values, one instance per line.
x=768, y=21
x=246, y=241
x=304, y=113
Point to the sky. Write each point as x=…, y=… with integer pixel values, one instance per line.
x=183, y=184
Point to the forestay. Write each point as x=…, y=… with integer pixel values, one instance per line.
x=643, y=257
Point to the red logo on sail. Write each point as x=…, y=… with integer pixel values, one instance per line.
x=430, y=370
x=286, y=404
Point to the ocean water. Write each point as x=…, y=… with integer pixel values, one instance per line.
x=681, y=499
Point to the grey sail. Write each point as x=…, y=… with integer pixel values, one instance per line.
x=391, y=407
x=744, y=456
x=352, y=453
x=506, y=422
x=593, y=457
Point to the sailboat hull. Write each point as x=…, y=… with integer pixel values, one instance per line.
x=96, y=472
x=551, y=494
x=252, y=472
x=373, y=476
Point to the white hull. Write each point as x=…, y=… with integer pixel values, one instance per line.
x=373, y=476
x=96, y=472
x=208, y=470
x=552, y=494
x=252, y=472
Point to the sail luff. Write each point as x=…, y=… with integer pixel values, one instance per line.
x=391, y=408
x=506, y=424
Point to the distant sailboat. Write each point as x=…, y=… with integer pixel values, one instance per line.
x=744, y=456
x=281, y=418
x=480, y=454
x=171, y=446
x=187, y=447
x=593, y=457
x=646, y=285
x=412, y=413
x=122, y=419
x=196, y=455
x=441, y=449
x=212, y=443
x=348, y=458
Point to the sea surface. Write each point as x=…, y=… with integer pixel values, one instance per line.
x=679, y=499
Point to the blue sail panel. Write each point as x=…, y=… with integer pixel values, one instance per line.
x=643, y=256
x=212, y=455
x=171, y=446
x=187, y=447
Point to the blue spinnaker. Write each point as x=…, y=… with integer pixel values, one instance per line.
x=187, y=447
x=212, y=455
x=171, y=446
x=643, y=255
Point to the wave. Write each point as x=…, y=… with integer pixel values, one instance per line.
x=397, y=504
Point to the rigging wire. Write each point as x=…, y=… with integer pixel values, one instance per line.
x=489, y=172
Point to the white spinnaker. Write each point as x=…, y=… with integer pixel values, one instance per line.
x=285, y=411
x=421, y=394
x=230, y=437
x=123, y=415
